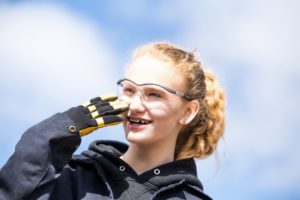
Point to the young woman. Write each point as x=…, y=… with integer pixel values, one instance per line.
x=172, y=111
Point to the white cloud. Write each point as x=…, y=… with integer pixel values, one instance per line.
x=50, y=57
x=261, y=39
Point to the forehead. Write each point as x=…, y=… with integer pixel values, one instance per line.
x=148, y=69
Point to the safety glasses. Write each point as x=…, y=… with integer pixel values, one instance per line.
x=148, y=91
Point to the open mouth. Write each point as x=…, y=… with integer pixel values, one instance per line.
x=138, y=121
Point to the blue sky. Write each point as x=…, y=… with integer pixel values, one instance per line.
x=57, y=54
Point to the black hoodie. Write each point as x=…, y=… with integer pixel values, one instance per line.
x=43, y=167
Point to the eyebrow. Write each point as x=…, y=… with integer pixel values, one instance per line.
x=180, y=94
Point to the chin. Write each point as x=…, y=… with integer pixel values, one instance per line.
x=137, y=138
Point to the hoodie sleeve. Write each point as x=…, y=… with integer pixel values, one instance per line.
x=39, y=156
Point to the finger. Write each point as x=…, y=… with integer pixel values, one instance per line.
x=119, y=106
x=109, y=120
x=101, y=122
x=108, y=97
x=113, y=108
x=93, y=108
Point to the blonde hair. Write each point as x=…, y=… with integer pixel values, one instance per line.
x=199, y=138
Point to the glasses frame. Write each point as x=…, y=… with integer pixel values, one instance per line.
x=172, y=91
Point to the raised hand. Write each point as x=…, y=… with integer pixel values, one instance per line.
x=97, y=113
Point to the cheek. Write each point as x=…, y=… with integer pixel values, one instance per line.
x=167, y=113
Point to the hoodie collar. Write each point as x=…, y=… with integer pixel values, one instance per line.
x=108, y=152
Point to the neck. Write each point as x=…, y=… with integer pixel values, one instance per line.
x=145, y=157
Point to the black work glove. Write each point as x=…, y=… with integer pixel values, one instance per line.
x=97, y=113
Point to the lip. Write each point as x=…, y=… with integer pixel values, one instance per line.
x=136, y=127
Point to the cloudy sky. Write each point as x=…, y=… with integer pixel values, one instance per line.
x=57, y=54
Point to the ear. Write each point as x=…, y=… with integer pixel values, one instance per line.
x=191, y=110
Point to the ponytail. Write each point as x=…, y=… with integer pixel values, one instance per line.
x=199, y=138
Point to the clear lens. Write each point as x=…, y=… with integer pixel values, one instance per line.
x=126, y=90
x=150, y=94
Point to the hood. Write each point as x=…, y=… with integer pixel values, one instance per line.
x=107, y=154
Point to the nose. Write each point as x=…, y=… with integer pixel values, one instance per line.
x=137, y=104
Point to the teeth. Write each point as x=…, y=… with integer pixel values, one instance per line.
x=137, y=121
x=134, y=120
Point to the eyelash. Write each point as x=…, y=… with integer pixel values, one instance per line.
x=154, y=94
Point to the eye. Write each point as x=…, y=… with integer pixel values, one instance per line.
x=154, y=94
x=128, y=90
